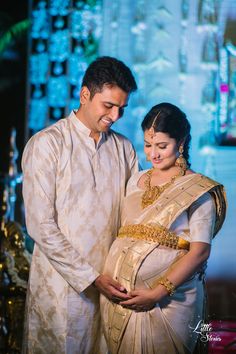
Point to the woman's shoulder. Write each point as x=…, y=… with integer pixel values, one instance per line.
x=206, y=179
x=190, y=172
x=209, y=194
x=136, y=176
x=133, y=181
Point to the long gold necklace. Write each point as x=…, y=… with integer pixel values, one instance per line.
x=152, y=193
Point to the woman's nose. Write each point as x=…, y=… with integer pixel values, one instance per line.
x=155, y=152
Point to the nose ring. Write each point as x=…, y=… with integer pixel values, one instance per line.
x=153, y=155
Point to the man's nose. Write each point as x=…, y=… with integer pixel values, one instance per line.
x=115, y=113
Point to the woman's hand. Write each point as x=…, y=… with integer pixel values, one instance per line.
x=142, y=300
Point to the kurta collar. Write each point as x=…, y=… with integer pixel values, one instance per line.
x=80, y=126
x=85, y=130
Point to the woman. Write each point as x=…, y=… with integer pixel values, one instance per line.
x=169, y=218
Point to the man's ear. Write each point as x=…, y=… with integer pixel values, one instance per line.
x=84, y=95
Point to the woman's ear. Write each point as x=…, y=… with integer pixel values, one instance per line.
x=181, y=143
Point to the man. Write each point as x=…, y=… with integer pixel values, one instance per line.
x=75, y=173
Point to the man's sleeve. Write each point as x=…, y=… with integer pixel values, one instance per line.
x=39, y=164
x=133, y=160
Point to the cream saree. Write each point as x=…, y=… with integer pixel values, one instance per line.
x=139, y=261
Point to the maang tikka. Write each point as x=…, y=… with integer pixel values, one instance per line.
x=151, y=131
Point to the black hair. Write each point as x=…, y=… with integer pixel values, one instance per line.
x=108, y=71
x=168, y=118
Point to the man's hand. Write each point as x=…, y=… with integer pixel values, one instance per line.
x=111, y=288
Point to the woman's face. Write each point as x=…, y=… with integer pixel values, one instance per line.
x=160, y=149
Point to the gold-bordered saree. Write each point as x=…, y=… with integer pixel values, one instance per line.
x=167, y=327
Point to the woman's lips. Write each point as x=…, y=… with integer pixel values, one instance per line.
x=156, y=160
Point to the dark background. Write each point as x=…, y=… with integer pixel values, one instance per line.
x=13, y=78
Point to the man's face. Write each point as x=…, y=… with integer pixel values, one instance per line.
x=104, y=109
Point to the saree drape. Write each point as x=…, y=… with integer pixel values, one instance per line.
x=138, y=263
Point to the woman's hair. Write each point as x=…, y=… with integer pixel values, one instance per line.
x=169, y=119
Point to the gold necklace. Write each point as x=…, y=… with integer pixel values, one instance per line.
x=152, y=193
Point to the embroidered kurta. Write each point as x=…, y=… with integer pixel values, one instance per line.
x=72, y=192
x=193, y=208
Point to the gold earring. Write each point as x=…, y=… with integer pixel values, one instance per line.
x=180, y=161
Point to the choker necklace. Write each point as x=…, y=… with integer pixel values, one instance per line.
x=152, y=193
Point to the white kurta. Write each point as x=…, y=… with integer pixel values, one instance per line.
x=72, y=192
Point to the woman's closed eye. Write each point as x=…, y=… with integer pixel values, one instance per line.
x=162, y=147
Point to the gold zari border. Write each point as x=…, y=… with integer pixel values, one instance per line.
x=155, y=233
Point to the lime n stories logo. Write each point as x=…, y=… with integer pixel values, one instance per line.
x=204, y=330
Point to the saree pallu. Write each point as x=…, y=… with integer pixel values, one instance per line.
x=138, y=262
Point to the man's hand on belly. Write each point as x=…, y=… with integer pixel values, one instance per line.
x=110, y=288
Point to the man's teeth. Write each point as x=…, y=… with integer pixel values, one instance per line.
x=106, y=121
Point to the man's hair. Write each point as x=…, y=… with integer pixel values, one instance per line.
x=108, y=71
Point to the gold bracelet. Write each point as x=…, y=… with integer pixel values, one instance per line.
x=167, y=284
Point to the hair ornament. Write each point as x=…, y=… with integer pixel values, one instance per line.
x=151, y=131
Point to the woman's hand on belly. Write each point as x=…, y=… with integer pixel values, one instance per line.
x=143, y=299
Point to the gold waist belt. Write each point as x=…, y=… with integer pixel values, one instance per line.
x=155, y=233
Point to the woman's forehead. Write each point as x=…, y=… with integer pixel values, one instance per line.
x=152, y=136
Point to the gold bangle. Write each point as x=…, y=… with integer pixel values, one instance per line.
x=167, y=284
